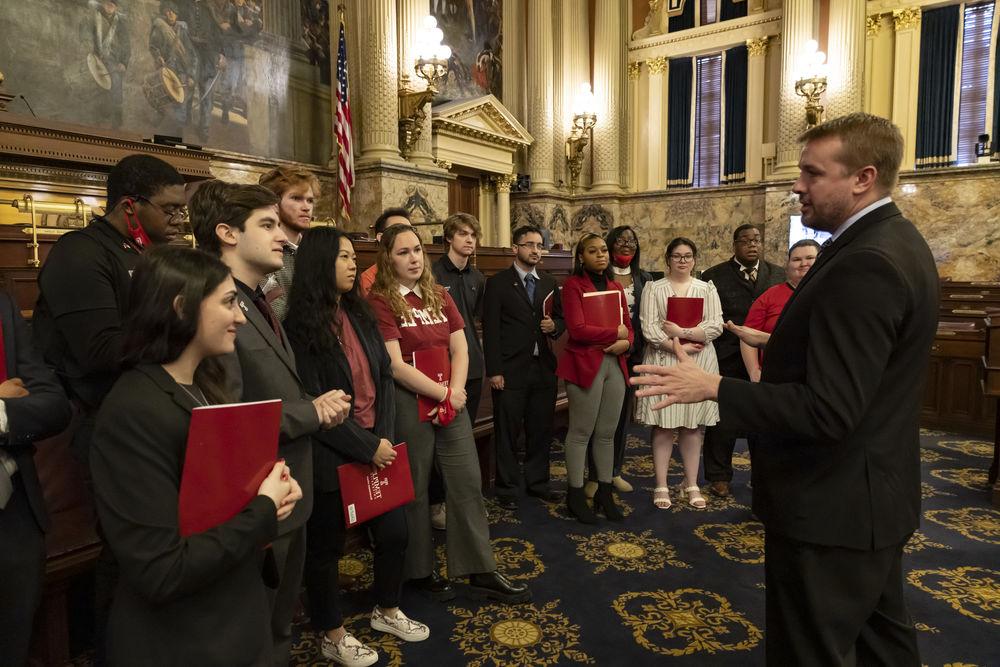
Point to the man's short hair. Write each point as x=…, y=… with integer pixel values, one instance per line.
x=524, y=230
x=456, y=221
x=217, y=202
x=802, y=243
x=282, y=179
x=742, y=228
x=867, y=140
x=380, y=223
x=139, y=175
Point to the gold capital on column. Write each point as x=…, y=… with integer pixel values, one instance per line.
x=873, y=25
x=757, y=47
x=657, y=65
x=503, y=183
x=633, y=70
x=904, y=19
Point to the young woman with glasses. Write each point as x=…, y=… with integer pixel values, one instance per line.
x=683, y=424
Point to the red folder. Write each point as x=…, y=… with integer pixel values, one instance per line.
x=230, y=450
x=685, y=311
x=548, y=303
x=603, y=309
x=368, y=492
x=435, y=363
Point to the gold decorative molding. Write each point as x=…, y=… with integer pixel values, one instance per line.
x=707, y=31
x=757, y=47
x=657, y=65
x=873, y=25
x=905, y=19
x=504, y=182
x=633, y=70
x=443, y=164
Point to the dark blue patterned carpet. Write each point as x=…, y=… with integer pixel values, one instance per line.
x=688, y=584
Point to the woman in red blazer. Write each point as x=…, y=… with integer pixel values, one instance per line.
x=593, y=366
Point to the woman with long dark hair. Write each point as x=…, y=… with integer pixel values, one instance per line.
x=593, y=366
x=200, y=599
x=415, y=314
x=337, y=345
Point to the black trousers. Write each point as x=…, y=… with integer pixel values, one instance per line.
x=289, y=552
x=720, y=440
x=325, y=548
x=22, y=559
x=836, y=606
x=474, y=394
x=531, y=406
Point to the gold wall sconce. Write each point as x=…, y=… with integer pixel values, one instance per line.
x=812, y=83
x=431, y=65
x=580, y=134
x=27, y=204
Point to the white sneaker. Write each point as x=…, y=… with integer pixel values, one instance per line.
x=349, y=651
x=405, y=628
x=439, y=517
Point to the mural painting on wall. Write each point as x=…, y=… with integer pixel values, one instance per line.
x=194, y=69
x=316, y=35
x=473, y=30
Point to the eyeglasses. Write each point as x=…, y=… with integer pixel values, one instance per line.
x=173, y=213
x=626, y=242
x=748, y=241
x=531, y=246
x=682, y=258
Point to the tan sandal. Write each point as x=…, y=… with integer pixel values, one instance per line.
x=694, y=497
x=661, y=498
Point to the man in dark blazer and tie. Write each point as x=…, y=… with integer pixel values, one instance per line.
x=521, y=367
x=240, y=224
x=739, y=281
x=836, y=467
x=33, y=406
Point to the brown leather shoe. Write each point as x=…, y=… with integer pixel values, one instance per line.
x=719, y=489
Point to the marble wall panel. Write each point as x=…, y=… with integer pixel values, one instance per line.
x=425, y=197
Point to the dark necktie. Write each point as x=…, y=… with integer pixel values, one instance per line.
x=264, y=307
x=529, y=285
x=751, y=274
x=826, y=244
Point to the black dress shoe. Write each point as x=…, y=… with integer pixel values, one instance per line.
x=435, y=587
x=506, y=502
x=495, y=586
x=548, y=495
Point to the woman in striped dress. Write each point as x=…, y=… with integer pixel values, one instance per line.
x=684, y=424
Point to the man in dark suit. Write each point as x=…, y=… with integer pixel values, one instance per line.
x=240, y=224
x=33, y=406
x=521, y=367
x=739, y=281
x=836, y=467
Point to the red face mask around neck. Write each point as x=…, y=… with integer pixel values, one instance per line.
x=622, y=261
x=135, y=230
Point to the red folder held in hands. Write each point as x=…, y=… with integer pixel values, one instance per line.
x=548, y=303
x=603, y=309
x=230, y=450
x=685, y=311
x=435, y=363
x=368, y=492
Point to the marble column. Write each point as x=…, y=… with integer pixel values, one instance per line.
x=797, y=29
x=379, y=131
x=656, y=132
x=540, y=96
x=575, y=69
x=756, y=59
x=608, y=95
x=635, y=170
x=411, y=17
x=503, y=184
x=905, y=79
x=846, y=58
x=514, y=58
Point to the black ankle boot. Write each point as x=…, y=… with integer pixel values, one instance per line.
x=604, y=501
x=576, y=502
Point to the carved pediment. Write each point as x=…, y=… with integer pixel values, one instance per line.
x=483, y=118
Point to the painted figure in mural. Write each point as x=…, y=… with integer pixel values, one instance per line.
x=110, y=53
x=316, y=34
x=207, y=27
x=176, y=64
x=241, y=23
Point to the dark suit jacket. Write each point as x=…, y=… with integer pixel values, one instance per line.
x=639, y=280
x=263, y=368
x=511, y=325
x=43, y=413
x=320, y=373
x=197, y=600
x=837, y=461
x=737, y=295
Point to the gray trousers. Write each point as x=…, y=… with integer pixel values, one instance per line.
x=594, y=410
x=468, y=545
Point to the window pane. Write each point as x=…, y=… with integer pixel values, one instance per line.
x=707, y=120
x=975, y=70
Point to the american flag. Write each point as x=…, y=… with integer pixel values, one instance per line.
x=342, y=127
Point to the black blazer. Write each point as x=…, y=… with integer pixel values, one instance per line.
x=198, y=600
x=639, y=280
x=511, y=325
x=43, y=413
x=320, y=373
x=837, y=458
x=737, y=295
